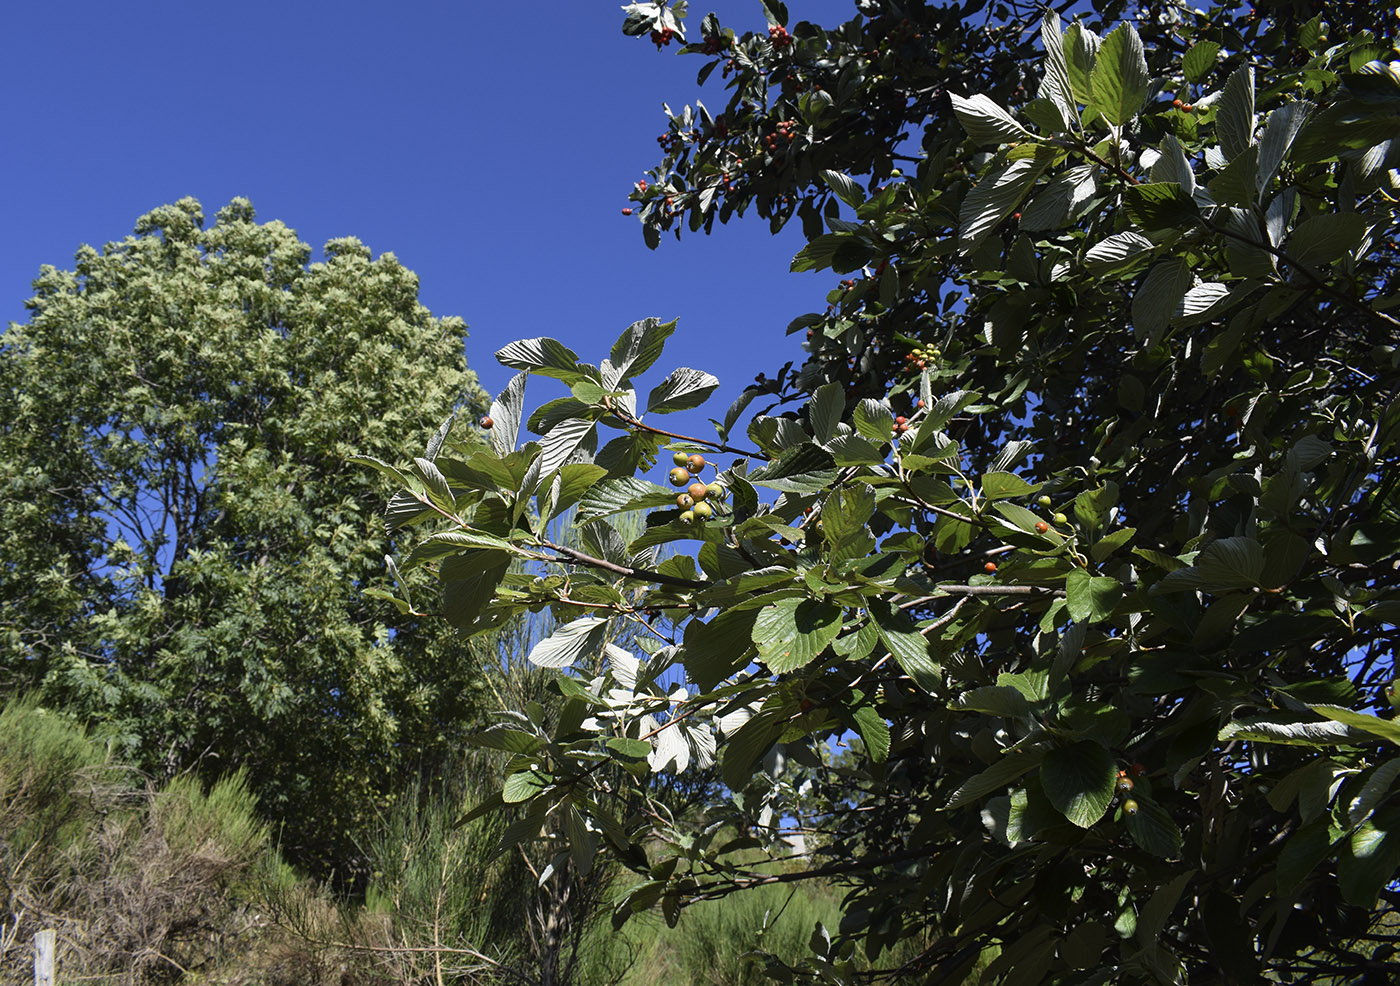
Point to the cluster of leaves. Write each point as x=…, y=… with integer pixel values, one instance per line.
x=1104, y=588
x=174, y=420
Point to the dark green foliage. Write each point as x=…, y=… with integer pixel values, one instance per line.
x=186, y=551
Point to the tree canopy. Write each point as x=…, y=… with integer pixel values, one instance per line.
x=188, y=559
x=1077, y=520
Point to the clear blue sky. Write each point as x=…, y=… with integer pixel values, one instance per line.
x=489, y=146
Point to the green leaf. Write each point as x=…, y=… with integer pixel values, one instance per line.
x=1160, y=205
x=1120, y=80
x=682, y=390
x=1282, y=128
x=1234, y=119
x=715, y=650
x=846, y=189
x=1386, y=729
x=792, y=633
x=1291, y=732
x=623, y=494
x=547, y=357
x=993, y=199
x=907, y=644
x=1199, y=60
x=805, y=468
x=1326, y=238
x=743, y=750
x=507, y=412
x=562, y=441
x=1005, y=485
x=435, y=483
x=570, y=642
x=853, y=450
x=524, y=785
x=631, y=749
x=1055, y=86
x=1159, y=298
x=508, y=739
x=1079, y=781
x=638, y=347
x=994, y=700
x=825, y=409
x=874, y=732
x=1159, y=907
x=1153, y=829
x=985, y=121
x=873, y=420
x=1118, y=253
x=995, y=778
x=1080, y=48
x=1091, y=598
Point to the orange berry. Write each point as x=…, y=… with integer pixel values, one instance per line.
x=990, y=567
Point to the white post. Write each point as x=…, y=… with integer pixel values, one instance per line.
x=45, y=944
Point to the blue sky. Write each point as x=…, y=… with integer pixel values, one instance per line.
x=489, y=146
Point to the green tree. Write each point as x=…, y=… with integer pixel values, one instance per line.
x=1079, y=511
x=186, y=553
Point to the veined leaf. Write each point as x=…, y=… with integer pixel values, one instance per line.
x=1120, y=80
x=1199, y=60
x=985, y=121
x=792, y=633
x=993, y=199
x=639, y=347
x=1235, y=116
x=682, y=390
x=1080, y=48
x=569, y=642
x=1079, y=781
x=1280, y=130
x=507, y=411
x=845, y=187
x=547, y=357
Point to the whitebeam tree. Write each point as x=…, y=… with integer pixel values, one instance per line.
x=1080, y=512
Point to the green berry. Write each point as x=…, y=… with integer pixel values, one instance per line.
x=715, y=491
x=1061, y=519
x=687, y=516
x=685, y=501
x=679, y=476
x=680, y=458
x=703, y=510
x=1044, y=501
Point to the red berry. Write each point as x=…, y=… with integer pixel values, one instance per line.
x=627, y=212
x=900, y=420
x=1137, y=770
x=1188, y=108
x=486, y=422
x=1041, y=527
x=1178, y=103
x=990, y=567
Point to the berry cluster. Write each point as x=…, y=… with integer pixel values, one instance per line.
x=1124, y=786
x=1060, y=519
x=670, y=142
x=662, y=37
x=783, y=132
x=714, y=44
x=779, y=36
x=919, y=357
x=695, y=501
x=1184, y=107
